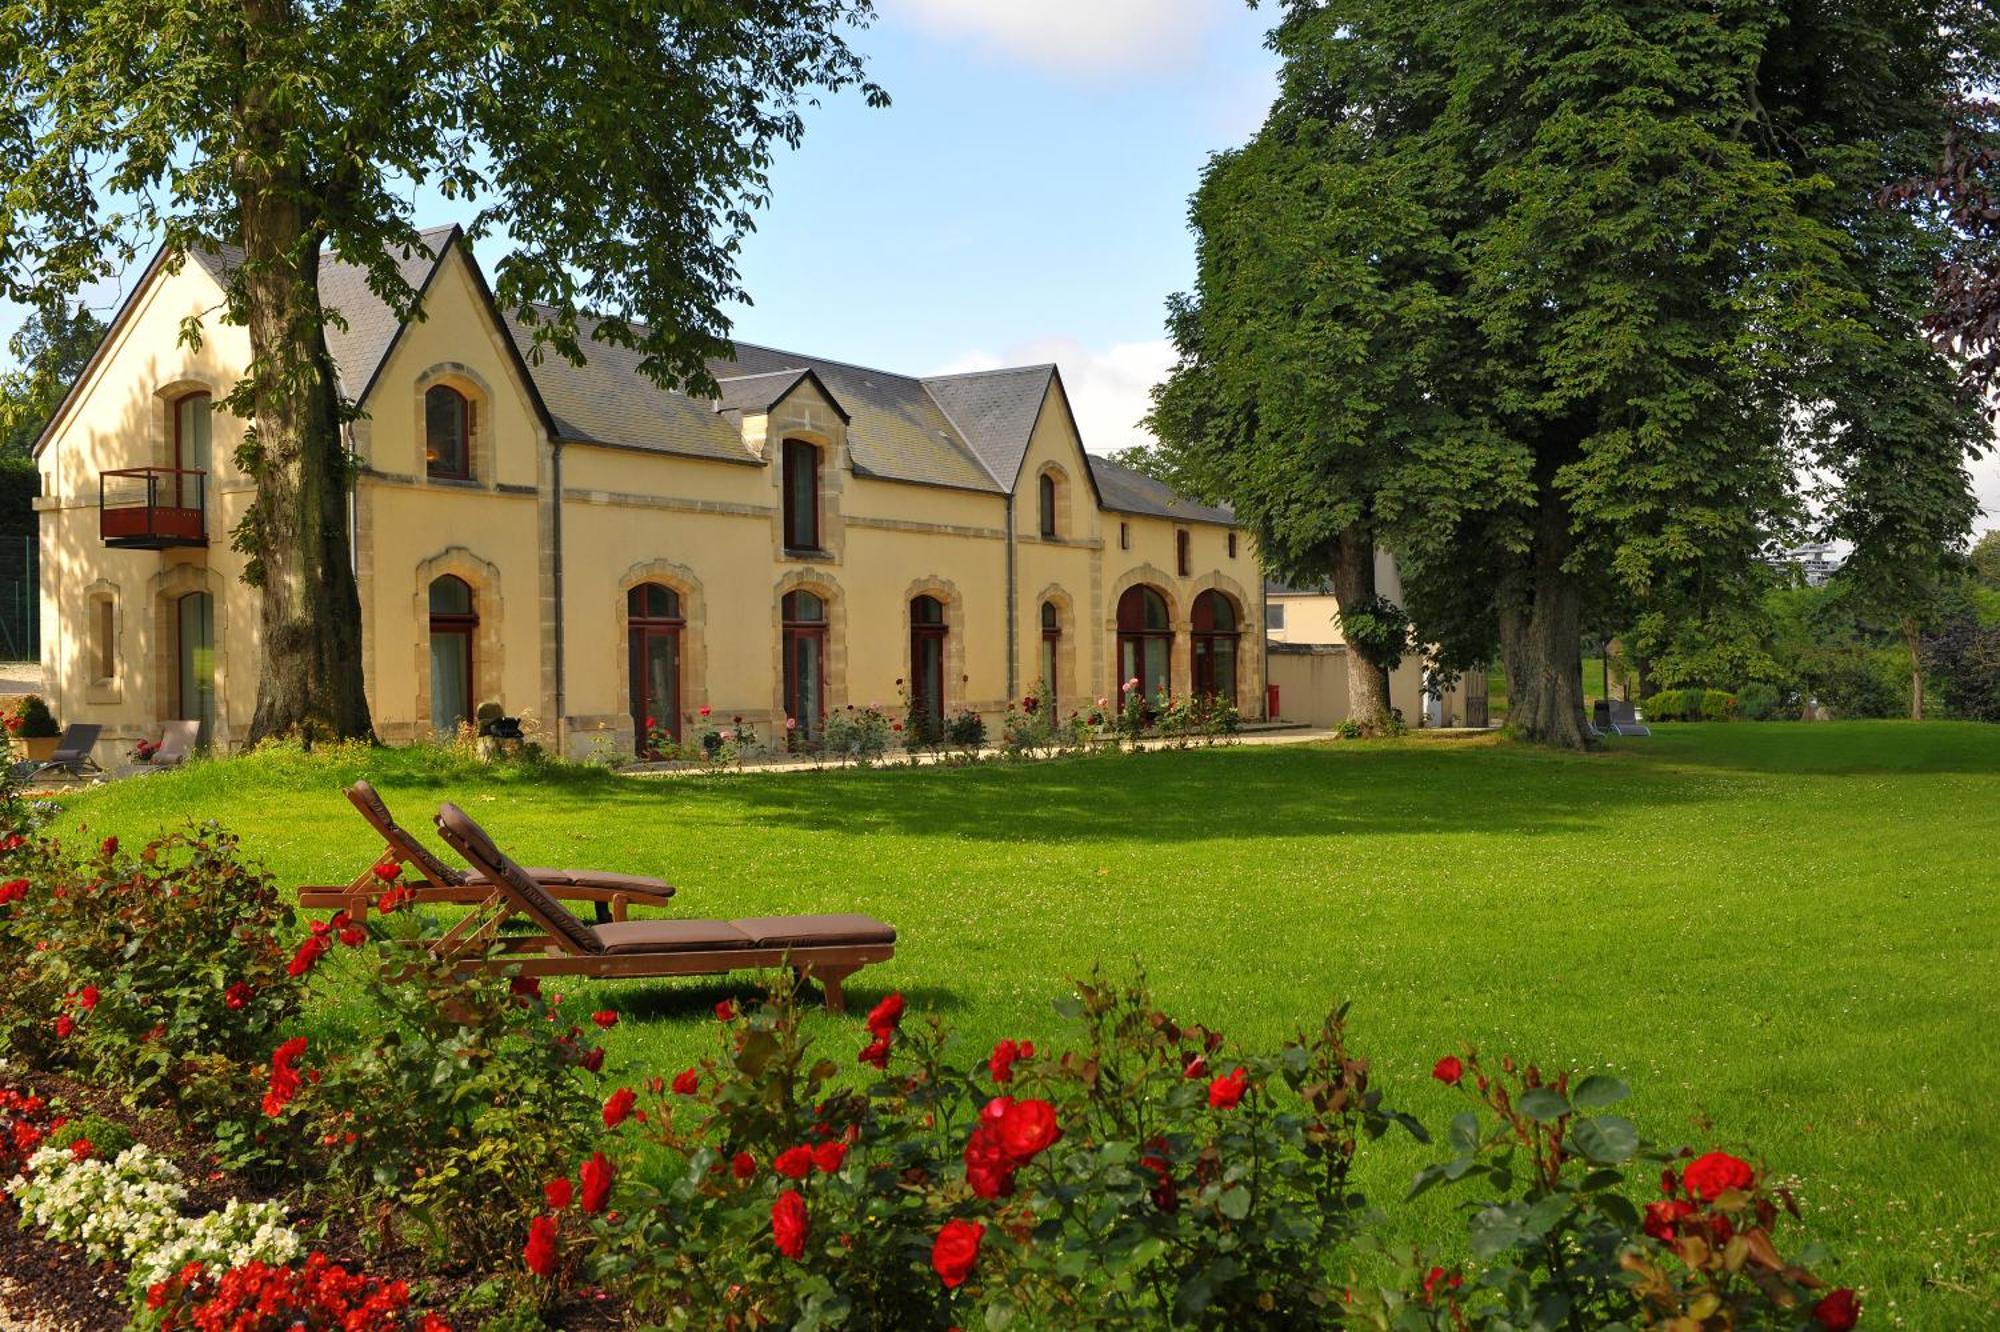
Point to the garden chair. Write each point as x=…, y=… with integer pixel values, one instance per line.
x=177, y=744
x=1625, y=718
x=611, y=892
x=72, y=757
x=827, y=948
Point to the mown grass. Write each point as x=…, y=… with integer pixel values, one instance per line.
x=1790, y=931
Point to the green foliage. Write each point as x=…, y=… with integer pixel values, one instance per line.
x=966, y=730
x=1759, y=702
x=32, y=720
x=49, y=350
x=107, y=1137
x=1986, y=559
x=1963, y=657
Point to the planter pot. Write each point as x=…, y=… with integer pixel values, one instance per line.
x=38, y=748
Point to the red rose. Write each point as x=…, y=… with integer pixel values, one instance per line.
x=743, y=1165
x=1663, y=1219
x=828, y=1157
x=559, y=1192
x=1027, y=1128
x=788, y=1224
x=88, y=997
x=725, y=1011
x=794, y=1162
x=886, y=1016
x=285, y=1079
x=1838, y=1312
x=1707, y=1177
x=307, y=956
x=540, y=1252
x=353, y=935
x=109, y=846
x=619, y=1107
x=236, y=996
x=1196, y=1067
x=594, y=1060
x=687, y=1082
x=1001, y=1062
x=80, y=1149
x=387, y=871
x=65, y=1024
x=13, y=891
x=1438, y=1277
x=605, y=1019
x=1448, y=1070
x=525, y=987
x=597, y=1174
x=876, y=1052
x=1226, y=1091
x=955, y=1251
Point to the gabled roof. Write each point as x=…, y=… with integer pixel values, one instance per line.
x=760, y=393
x=1127, y=491
x=996, y=410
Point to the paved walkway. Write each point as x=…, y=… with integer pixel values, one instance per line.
x=20, y=677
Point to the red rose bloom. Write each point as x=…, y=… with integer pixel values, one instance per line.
x=1001, y=1063
x=1707, y=1177
x=619, y=1107
x=594, y=1060
x=1026, y=1128
x=955, y=1251
x=886, y=1016
x=605, y=1019
x=1226, y=1091
x=387, y=871
x=794, y=1162
x=1448, y=1070
x=559, y=1193
x=284, y=1078
x=743, y=1165
x=597, y=1174
x=828, y=1157
x=109, y=846
x=236, y=996
x=307, y=957
x=788, y=1224
x=1196, y=1067
x=88, y=997
x=525, y=987
x=1838, y=1312
x=13, y=891
x=540, y=1253
x=687, y=1082
x=876, y=1052
x=65, y=1024
x=1663, y=1219
x=725, y=1011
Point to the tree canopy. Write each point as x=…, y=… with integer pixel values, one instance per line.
x=49, y=351
x=621, y=147
x=1563, y=300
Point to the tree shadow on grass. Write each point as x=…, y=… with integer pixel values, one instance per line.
x=1827, y=749
x=674, y=999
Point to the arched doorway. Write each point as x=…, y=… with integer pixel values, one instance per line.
x=194, y=656
x=653, y=635
x=1145, y=640
x=803, y=618
x=927, y=635
x=1216, y=626
x=453, y=624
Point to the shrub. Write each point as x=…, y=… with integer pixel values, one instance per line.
x=25, y=1121
x=105, y=1138
x=966, y=730
x=1758, y=702
x=468, y=1092
x=1964, y=660
x=162, y=974
x=858, y=735
x=1674, y=705
x=316, y=1296
x=115, y=1209
x=1718, y=705
x=32, y=720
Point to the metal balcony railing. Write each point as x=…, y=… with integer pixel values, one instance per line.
x=152, y=508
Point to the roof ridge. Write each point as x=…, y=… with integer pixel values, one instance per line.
x=996, y=370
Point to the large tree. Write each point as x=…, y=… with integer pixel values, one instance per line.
x=49, y=350
x=621, y=147
x=1561, y=299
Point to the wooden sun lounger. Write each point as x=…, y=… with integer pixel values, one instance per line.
x=827, y=948
x=611, y=892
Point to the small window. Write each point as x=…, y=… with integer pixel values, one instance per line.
x=801, y=482
x=104, y=638
x=1232, y=545
x=1124, y=536
x=1048, y=503
x=447, y=434
x=1274, y=615
x=1183, y=559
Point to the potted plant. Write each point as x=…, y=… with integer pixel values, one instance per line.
x=34, y=729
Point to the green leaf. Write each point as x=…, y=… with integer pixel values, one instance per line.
x=1234, y=1203
x=1605, y=1139
x=1543, y=1104
x=1597, y=1091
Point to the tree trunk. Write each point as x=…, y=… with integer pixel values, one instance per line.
x=1354, y=585
x=295, y=532
x=1541, y=610
x=1913, y=639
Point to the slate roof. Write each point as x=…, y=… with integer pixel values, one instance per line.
x=1127, y=491
x=967, y=431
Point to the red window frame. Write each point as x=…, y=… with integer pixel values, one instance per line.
x=792, y=629
x=641, y=626
x=1204, y=637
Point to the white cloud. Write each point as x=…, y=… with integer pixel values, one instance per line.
x=1108, y=390
x=1071, y=36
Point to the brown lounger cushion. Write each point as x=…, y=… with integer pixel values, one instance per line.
x=815, y=931
x=610, y=881
x=670, y=936
x=365, y=799
x=470, y=840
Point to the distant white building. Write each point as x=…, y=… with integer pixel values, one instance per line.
x=1818, y=560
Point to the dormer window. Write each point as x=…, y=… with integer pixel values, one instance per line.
x=447, y=434
x=801, y=485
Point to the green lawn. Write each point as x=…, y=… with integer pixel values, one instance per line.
x=1792, y=930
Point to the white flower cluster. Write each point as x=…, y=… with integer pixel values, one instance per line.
x=129, y=1209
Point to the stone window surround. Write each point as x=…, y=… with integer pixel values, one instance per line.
x=480, y=451
x=164, y=591
x=104, y=688
x=489, y=643
x=823, y=585
x=1068, y=681
x=694, y=641
x=955, y=683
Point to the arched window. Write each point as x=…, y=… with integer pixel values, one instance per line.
x=194, y=450
x=653, y=626
x=801, y=482
x=1145, y=640
x=1051, y=642
x=447, y=433
x=803, y=615
x=1047, y=495
x=927, y=634
x=453, y=622
x=195, y=661
x=1215, y=625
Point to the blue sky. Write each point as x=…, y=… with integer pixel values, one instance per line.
x=1023, y=200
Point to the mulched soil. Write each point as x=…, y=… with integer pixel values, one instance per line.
x=50, y=1287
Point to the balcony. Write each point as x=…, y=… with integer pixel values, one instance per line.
x=152, y=508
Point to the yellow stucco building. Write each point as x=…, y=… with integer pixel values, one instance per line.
x=587, y=550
